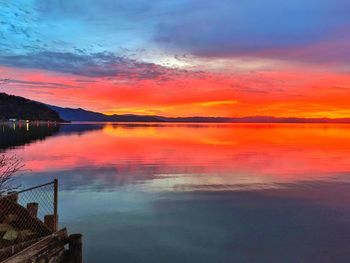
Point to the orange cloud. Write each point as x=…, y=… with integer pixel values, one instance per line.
x=299, y=92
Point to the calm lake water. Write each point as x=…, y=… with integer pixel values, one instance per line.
x=245, y=193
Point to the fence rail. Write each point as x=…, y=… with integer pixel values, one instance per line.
x=27, y=216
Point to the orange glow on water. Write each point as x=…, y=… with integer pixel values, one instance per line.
x=230, y=154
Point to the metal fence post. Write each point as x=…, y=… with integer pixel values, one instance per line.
x=55, y=201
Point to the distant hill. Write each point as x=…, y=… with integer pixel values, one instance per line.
x=79, y=114
x=14, y=107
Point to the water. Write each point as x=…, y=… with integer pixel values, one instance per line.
x=246, y=193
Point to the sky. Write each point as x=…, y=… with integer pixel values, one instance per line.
x=228, y=58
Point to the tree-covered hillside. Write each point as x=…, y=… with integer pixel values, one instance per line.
x=14, y=107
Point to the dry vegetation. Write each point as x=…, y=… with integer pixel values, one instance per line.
x=9, y=167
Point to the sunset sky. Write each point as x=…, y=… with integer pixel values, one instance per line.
x=180, y=58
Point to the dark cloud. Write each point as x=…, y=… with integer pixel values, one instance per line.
x=85, y=80
x=258, y=28
x=92, y=65
x=37, y=83
x=69, y=36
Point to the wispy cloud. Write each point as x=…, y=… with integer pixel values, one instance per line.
x=202, y=28
x=39, y=84
x=91, y=65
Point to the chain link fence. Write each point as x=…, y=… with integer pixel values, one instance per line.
x=26, y=216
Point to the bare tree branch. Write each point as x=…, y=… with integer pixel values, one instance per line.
x=9, y=167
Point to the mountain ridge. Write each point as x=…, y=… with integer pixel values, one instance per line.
x=80, y=114
x=21, y=108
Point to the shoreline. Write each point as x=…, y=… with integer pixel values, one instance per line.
x=328, y=121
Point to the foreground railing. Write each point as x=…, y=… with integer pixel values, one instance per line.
x=26, y=216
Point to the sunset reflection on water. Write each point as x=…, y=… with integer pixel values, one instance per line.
x=197, y=192
x=197, y=154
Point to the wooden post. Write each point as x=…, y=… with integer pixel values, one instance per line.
x=33, y=209
x=13, y=196
x=75, y=248
x=55, y=205
x=49, y=221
